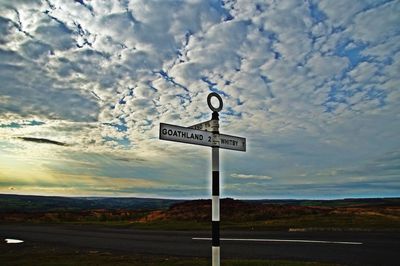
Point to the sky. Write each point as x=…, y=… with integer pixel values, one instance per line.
x=313, y=86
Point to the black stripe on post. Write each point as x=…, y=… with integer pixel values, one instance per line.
x=215, y=183
x=215, y=233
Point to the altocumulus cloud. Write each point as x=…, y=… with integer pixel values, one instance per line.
x=243, y=176
x=313, y=85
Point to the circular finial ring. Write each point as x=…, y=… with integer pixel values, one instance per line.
x=209, y=101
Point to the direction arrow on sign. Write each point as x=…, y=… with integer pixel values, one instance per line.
x=201, y=137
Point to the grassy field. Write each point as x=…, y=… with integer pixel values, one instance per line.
x=54, y=257
x=306, y=222
x=349, y=214
x=311, y=222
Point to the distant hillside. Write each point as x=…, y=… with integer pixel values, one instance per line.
x=335, y=203
x=232, y=210
x=31, y=204
x=354, y=214
x=26, y=203
x=347, y=214
x=260, y=210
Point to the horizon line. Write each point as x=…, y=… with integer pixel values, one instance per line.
x=167, y=198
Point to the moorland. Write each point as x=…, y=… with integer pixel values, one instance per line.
x=300, y=215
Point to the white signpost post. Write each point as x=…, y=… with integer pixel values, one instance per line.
x=207, y=134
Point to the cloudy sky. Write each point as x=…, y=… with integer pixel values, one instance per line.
x=314, y=86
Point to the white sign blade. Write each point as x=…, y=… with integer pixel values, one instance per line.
x=185, y=135
x=203, y=126
x=232, y=142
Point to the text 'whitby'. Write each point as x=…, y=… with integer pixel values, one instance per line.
x=229, y=142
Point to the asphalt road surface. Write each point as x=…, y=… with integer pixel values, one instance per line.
x=347, y=248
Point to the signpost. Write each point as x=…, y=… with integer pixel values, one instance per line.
x=207, y=134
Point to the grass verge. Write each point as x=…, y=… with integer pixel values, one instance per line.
x=22, y=255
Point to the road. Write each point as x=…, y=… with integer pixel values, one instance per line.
x=365, y=248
